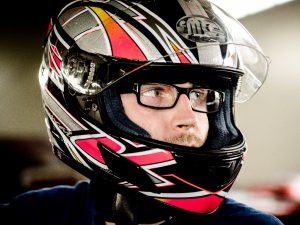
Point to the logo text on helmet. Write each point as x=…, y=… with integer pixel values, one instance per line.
x=200, y=29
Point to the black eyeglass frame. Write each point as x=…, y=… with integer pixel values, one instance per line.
x=180, y=91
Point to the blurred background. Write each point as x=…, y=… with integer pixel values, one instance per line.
x=270, y=178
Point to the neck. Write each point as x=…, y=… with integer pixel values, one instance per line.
x=118, y=209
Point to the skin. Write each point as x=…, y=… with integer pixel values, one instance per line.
x=178, y=125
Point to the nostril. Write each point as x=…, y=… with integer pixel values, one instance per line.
x=183, y=126
x=180, y=126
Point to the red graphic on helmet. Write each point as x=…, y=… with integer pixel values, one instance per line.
x=54, y=59
x=206, y=204
x=119, y=38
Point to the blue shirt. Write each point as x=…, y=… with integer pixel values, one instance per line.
x=74, y=205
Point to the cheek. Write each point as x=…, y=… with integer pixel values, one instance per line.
x=156, y=125
x=143, y=116
x=202, y=124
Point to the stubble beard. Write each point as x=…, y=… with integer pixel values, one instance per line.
x=189, y=140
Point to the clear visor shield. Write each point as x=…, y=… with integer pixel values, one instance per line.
x=215, y=40
x=91, y=74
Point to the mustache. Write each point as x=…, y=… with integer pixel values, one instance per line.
x=186, y=140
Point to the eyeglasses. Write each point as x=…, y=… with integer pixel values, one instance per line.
x=165, y=96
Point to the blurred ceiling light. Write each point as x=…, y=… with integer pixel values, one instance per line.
x=242, y=8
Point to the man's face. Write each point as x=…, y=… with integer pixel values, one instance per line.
x=178, y=125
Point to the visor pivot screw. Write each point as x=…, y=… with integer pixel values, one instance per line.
x=94, y=107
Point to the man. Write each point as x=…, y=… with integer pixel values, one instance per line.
x=139, y=97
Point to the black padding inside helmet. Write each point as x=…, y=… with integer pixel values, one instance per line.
x=222, y=130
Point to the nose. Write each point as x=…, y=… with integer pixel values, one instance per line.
x=184, y=116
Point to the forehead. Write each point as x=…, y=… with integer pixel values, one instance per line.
x=185, y=85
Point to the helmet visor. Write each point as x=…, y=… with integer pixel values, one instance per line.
x=89, y=73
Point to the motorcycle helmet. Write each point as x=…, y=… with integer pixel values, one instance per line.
x=96, y=49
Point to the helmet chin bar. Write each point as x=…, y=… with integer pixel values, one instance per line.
x=124, y=168
x=211, y=173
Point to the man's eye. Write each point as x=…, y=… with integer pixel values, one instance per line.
x=151, y=93
x=199, y=95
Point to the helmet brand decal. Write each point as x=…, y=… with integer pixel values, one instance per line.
x=200, y=29
x=58, y=124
